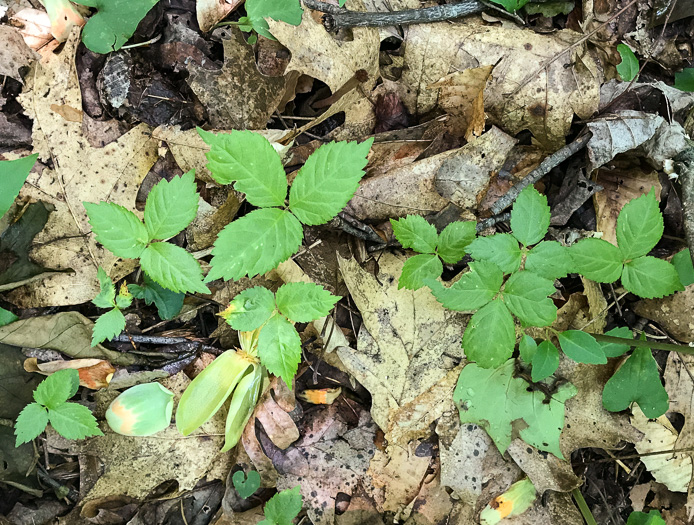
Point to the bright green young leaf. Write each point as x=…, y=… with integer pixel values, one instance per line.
x=651, y=277
x=641, y=518
x=530, y=217
x=7, y=317
x=108, y=326
x=549, y=259
x=168, y=302
x=32, y=420
x=13, y=174
x=171, y=206
x=682, y=262
x=250, y=309
x=637, y=380
x=118, y=229
x=73, y=421
x=454, y=240
x=289, y=11
x=57, y=388
x=241, y=407
x=283, y=507
x=597, y=260
x=614, y=349
x=107, y=294
x=472, y=291
x=582, y=347
x=327, y=181
x=639, y=226
x=545, y=361
x=684, y=80
x=494, y=399
x=260, y=26
x=490, y=335
x=525, y=294
x=249, y=159
x=501, y=249
x=527, y=349
x=124, y=298
x=511, y=5
x=279, y=348
x=255, y=244
x=304, y=302
x=628, y=68
x=114, y=23
x=173, y=268
x=419, y=269
x=416, y=233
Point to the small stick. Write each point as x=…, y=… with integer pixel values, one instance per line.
x=488, y=223
x=685, y=166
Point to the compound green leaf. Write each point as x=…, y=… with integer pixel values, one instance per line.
x=168, y=302
x=545, y=361
x=416, y=233
x=31, y=421
x=107, y=293
x=637, y=380
x=490, y=336
x=419, y=269
x=582, y=347
x=283, y=507
x=525, y=294
x=73, y=421
x=327, y=181
x=304, y=302
x=651, y=277
x=639, y=226
x=614, y=349
x=13, y=175
x=108, y=326
x=173, y=268
x=550, y=260
x=454, y=240
x=494, y=399
x=527, y=348
x=597, y=260
x=114, y=23
x=279, y=348
x=472, y=291
x=530, y=217
x=118, y=229
x=249, y=159
x=628, y=68
x=250, y=309
x=501, y=249
x=682, y=262
x=684, y=80
x=171, y=206
x=57, y=388
x=255, y=244
x=289, y=11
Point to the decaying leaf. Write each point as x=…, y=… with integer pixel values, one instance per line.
x=209, y=12
x=673, y=313
x=14, y=53
x=94, y=373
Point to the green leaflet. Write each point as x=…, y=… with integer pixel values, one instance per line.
x=614, y=349
x=283, y=507
x=168, y=302
x=641, y=518
x=454, y=240
x=472, y=291
x=57, y=388
x=684, y=80
x=250, y=309
x=581, y=347
x=419, y=269
x=328, y=180
x=682, y=262
x=490, y=335
x=117, y=228
x=549, y=259
x=31, y=421
x=279, y=348
x=650, y=277
x=527, y=348
x=289, y=11
x=526, y=295
x=545, y=361
x=628, y=68
x=255, y=244
x=13, y=174
x=250, y=160
x=530, y=217
x=639, y=226
x=597, y=260
x=173, y=268
x=637, y=380
x=107, y=295
x=501, y=249
x=108, y=326
x=304, y=302
x=171, y=206
x=416, y=233
x=73, y=421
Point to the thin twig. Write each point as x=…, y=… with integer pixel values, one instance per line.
x=685, y=167
x=488, y=223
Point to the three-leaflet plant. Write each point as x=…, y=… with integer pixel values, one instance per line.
x=112, y=323
x=170, y=207
x=262, y=239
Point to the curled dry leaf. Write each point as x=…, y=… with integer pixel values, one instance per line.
x=94, y=373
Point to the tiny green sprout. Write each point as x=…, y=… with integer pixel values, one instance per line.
x=142, y=410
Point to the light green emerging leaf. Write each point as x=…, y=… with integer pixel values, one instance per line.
x=454, y=240
x=107, y=294
x=526, y=295
x=304, y=302
x=173, y=268
x=490, y=335
x=501, y=249
x=639, y=226
x=581, y=347
x=650, y=277
x=527, y=349
x=57, y=388
x=418, y=269
x=682, y=262
x=530, y=217
x=250, y=309
x=472, y=291
x=279, y=348
x=13, y=174
x=628, y=68
x=416, y=233
x=108, y=326
x=283, y=507
x=171, y=206
x=31, y=421
x=118, y=229
x=545, y=361
x=243, y=402
x=328, y=180
x=597, y=260
x=73, y=421
x=549, y=259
